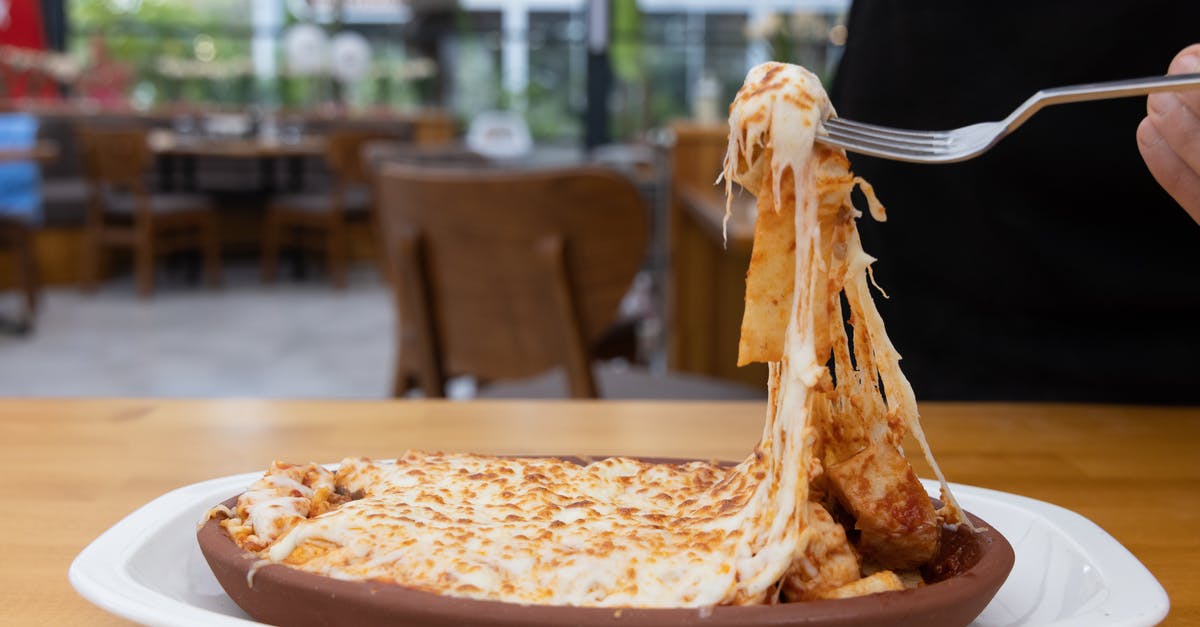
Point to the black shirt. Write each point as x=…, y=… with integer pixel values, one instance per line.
x=1052, y=267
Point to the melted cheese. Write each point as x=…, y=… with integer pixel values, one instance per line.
x=774, y=123
x=617, y=532
x=620, y=532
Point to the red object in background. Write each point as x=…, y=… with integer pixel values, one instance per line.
x=21, y=24
x=21, y=27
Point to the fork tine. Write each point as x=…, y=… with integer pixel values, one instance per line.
x=906, y=138
x=852, y=138
x=887, y=151
x=885, y=131
x=934, y=145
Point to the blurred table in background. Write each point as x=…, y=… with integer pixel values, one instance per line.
x=239, y=183
x=44, y=151
x=176, y=150
x=169, y=143
x=708, y=259
x=709, y=283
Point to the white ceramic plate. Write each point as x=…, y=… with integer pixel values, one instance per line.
x=1069, y=572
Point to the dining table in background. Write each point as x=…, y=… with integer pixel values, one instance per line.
x=73, y=468
x=709, y=252
x=180, y=152
x=42, y=151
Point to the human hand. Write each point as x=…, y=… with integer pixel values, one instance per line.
x=1169, y=137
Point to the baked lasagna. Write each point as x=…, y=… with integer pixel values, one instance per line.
x=825, y=506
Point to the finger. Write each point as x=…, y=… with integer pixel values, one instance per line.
x=1177, y=177
x=1174, y=117
x=1188, y=62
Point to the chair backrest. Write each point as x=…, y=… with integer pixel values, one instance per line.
x=115, y=158
x=505, y=274
x=344, y=153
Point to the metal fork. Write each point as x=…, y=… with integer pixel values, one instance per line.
x=971, y=141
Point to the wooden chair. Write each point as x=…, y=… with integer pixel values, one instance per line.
x=123, y=212
x=506, y=274
x=18, y=235
x=319, y=221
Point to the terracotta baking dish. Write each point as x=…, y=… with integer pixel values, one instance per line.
x=969, y=572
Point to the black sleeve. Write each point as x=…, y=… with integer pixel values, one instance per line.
x=1052, y=267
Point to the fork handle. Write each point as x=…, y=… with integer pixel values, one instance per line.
x=1101, y=91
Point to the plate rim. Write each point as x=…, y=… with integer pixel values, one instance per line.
x=99, y=573
x=1126, y=578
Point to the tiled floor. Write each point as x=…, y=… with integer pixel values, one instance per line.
x=290, y=340
x=293, y=339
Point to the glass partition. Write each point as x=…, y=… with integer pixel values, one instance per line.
x=670, y=59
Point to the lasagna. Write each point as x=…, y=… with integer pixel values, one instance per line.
x=825, y=506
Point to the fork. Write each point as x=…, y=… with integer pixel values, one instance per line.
x=971, y=141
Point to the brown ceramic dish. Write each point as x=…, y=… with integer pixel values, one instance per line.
x=967, y=575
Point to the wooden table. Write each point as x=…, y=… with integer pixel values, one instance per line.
x=72, y=468
x=169, y=143
x=709, y=261
x=170, y=147
x=43, y=151
x=708, y=258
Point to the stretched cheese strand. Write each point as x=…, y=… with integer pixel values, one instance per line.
x=785, y=97
x=773, y=126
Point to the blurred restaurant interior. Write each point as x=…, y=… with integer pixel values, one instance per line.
x=196, y=195
x=238, y=231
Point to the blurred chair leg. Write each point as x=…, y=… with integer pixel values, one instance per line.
x=377, y=246
x=212, y=252
x=403, y=377
x=27, y=253
x=335, y=256
x=401, y=381
x=411, y=293
x=18, y=235
x=270, y=248
x=91, y=262
x=144, y=263
x=580, y=378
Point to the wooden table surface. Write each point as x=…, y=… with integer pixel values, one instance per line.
x=168, y=143
x=72, y=468
x=705, y=205
x=43, y=151
x=709, y=258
